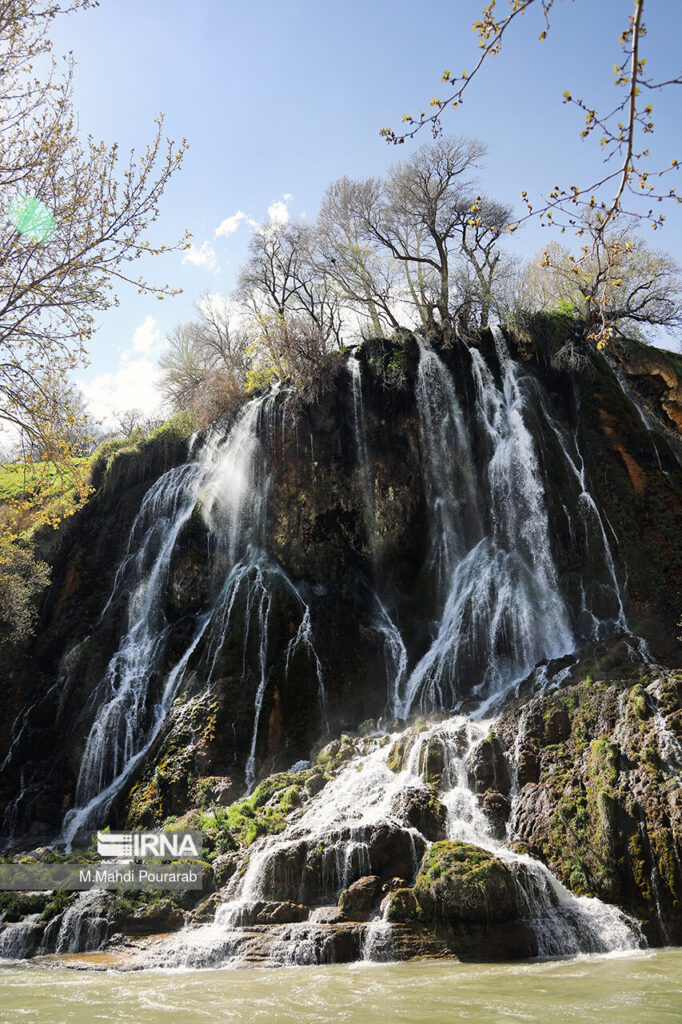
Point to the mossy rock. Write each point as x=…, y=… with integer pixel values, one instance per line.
x=335, y=754
x=315, y=783
x=460, y=882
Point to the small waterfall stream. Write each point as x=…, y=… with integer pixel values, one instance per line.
x=339, y=826
x=228, y=482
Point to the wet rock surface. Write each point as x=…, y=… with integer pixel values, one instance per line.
x=470, y=899
x=586, y=778
x=602, y=806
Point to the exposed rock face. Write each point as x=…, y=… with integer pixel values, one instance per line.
x=319, y=535
x=586, y=779
x=602, y=806
x=470, y=898
x=656, y=376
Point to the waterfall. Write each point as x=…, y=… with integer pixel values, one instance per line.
x=335, y=833
x=502, y=610
x=448, y=468
x=360, y=438
x=124, y=725
x=228, y=482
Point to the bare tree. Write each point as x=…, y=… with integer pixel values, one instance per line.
x=425, y=200
x=282, y=278
x=206, y=363
x=366, y=276
x=626, y=284
x=294, y=351
x=480, y=233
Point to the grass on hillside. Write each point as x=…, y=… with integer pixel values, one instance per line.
x=32, y=494
x=38, y=492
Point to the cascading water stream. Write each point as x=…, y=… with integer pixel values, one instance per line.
x=123, y=728
x=336, y=833
x=603, y=609
x=229, y=480
x=503, y=610
x=360, y=437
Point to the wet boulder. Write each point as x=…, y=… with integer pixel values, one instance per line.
x=284, y=873
x=206, y=911
x=267, y=912
x=335, y=753
x=469, y=898
x=461, y=882
x=392, y=884
x=360, y=898
x=432, y=760
x=421, y=809
x=394, y=851
x=487, y=767
x=399, y=753
x=327, y=915
x=315, y=783
x=224, y=867
x=159, y=916
x=497, y=809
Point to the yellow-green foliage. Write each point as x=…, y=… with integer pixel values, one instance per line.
x=262, y=813
x=22, y=579
x=39, y=492
x=260, y=377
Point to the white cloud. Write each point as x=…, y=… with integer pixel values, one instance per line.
x=287, y=197
x=226, y=306
x=146, y=336
x=228, y=226
x=133, y=386
x=202, y=257
x=278, y=214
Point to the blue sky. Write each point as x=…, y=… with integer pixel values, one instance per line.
x=277, y=99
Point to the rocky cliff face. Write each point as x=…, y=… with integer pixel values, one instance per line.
x=417, y=540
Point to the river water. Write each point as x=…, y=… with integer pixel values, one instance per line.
x=641, y=988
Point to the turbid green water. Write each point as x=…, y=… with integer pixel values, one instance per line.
x=640, y=989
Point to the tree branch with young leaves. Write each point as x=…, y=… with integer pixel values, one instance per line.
x=631, y=182
x=54, y=285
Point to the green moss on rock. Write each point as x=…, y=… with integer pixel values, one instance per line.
x=461, y=882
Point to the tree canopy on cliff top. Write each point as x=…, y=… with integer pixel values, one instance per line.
x=629, y=180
